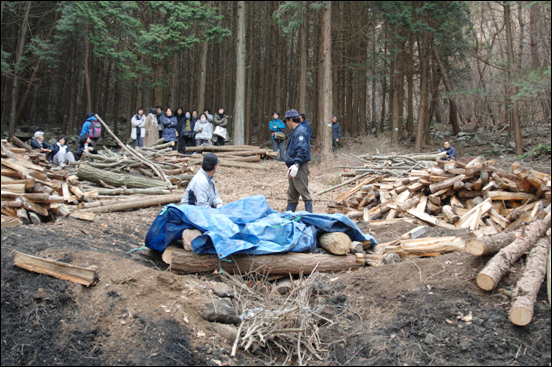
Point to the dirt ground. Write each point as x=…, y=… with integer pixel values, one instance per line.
x=426, y=311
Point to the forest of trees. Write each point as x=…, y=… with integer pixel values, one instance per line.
x=393, y=66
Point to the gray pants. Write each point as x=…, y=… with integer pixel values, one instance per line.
x=299, y=185
x=61, y=158
x=279, y=146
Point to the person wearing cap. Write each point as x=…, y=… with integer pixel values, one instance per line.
x=201, y=190
x=278, y=138
x=336, y=133
x=297, y=160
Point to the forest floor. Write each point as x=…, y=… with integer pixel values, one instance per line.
x=426, y=311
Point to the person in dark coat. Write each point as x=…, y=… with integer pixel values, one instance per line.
x=170, y=122
x=336, y=133
x=37, y=142
x=451, y=152
x=297, y=159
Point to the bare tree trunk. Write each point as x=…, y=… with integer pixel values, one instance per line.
x=18, y=57
x=410, y=86
x=202, y=77
x=453, y=108
x=516, y=125
x=240, y=78
x=423, y=110
x=327, y=84
x=303, y=67
x=87, y=70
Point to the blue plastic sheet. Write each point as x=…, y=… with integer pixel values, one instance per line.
x=248, y=226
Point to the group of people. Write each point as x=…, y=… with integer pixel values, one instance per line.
x=201, y=190
x=184, y=128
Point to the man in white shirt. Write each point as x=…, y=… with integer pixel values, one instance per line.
x=201, y=190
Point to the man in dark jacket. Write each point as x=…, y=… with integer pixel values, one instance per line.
x=37, y=142
x=297, y=160
x=336, y=133
x=451, y=152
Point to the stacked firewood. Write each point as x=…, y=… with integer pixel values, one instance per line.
x=452, y=194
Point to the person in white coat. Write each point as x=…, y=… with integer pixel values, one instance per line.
x=138, y=132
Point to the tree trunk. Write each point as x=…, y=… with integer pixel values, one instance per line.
x=327, y=85
x=498, y=266
x=184, y=262
x=303, y=66
x=239, y=105
x=89, y=173
x=18, y=57
x=528, y=286
x=516, y=124
x=423, y=110
x=490, y=244
x=202, y=77
x=453, y=109
x=138, y=203
x=87, y=69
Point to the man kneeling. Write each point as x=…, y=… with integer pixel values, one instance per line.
x=201, y=190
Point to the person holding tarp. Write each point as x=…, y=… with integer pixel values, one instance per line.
x=201, y=190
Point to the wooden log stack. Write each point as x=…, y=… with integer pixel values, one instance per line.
x=451, y=194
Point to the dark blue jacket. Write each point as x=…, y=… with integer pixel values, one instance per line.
x=169, y=128
x=336, y=131
x=451, y=152
x=298, y=148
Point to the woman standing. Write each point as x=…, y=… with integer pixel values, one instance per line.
x=220, y=135
x=186, y=133
x=138, y=132
x=277, y=127
x=170, y=122
x=152, y=133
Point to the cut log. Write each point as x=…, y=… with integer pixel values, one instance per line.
x=60, y=270
x=136, y=204
x=450, y=214
x=488, y=245
x=446, y=183
x=498, y=266
x=188, y=235
x=346, y=194
x=337, y=243
x=527, y=288
x=89, y=173
x=509, y=196
x=185, y=262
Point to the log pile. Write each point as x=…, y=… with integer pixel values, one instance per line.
x=475, y=195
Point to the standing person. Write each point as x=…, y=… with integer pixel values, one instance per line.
x=336, y=133
x=85, y=145
x=169, y=123
x=92, y=127
x=306, y=125
x=138, y=123
x=201, y=190
x=278, y=137
x=451, y=152
x=186, y=133
x=159, y=114
x=204, y=131
x=298, y=156
x=179, y=114
x=152, y=133
x=220, y=135
x=61, y=153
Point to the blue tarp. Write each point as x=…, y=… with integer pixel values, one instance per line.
x=248, y=226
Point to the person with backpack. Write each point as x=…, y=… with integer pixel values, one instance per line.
x=92, y=127
x=138, y=132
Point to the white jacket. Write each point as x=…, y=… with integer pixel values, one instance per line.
x=201, y=191
x=138, y=121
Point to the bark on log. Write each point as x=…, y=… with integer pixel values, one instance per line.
x=446, y=183
x=89, y=173
x=450, y=215
x=136, y=204
x=338, y=243
x=488, y=245
x=498, y=266
x=185, y=262
x=527, y=288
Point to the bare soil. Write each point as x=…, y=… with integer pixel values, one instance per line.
x=426, y=311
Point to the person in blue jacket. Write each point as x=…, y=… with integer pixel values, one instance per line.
x=298, y=155
x=170, y=122
x=85, y=130
x=336, y=133
x=451, y=152
x=278, y=138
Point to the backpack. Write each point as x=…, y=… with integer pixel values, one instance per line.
x=95, y=130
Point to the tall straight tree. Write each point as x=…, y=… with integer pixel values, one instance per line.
x=512, y=101
x=325, y=131
x=239, y=104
